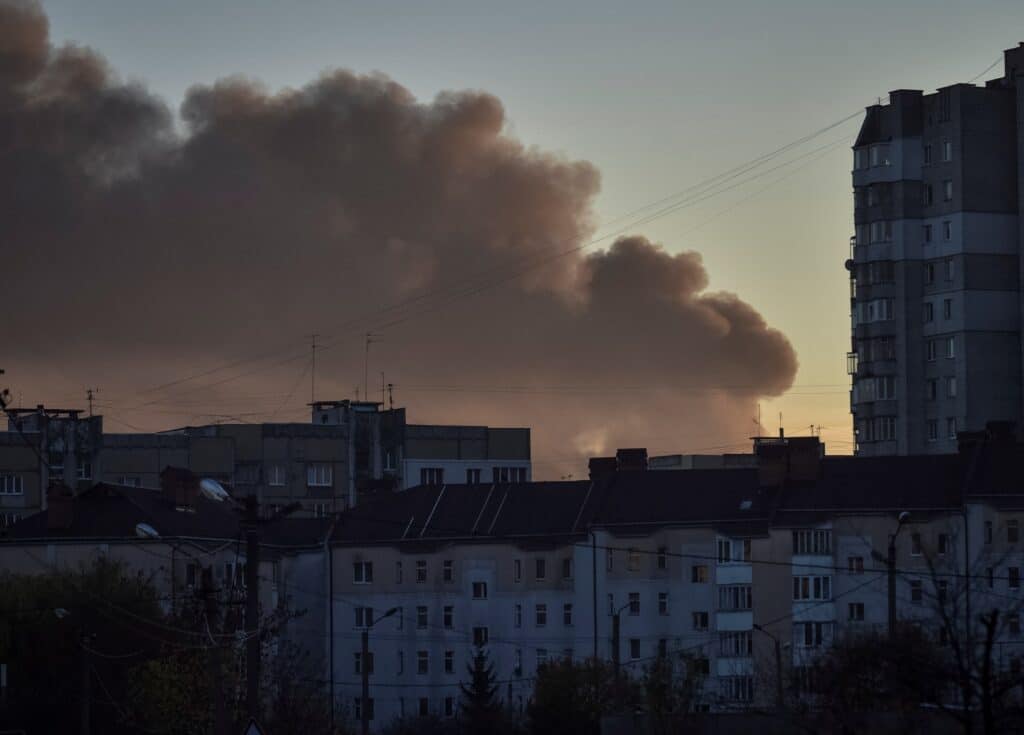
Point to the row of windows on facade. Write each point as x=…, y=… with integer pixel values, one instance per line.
x=881, y=231
x=435, y=475
x=883, y=388
x=878, y=155
x=448, y=708
x=883, y=428
x=883, y=271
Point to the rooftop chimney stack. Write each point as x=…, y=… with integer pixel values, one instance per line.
x=629, y=460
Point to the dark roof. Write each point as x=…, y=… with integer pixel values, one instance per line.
x=111, y=512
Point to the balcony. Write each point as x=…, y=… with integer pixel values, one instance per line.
x=851, y=363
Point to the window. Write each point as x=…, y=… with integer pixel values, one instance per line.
x=951, y=386
x=567, y=614
x=700, y=620
x=855, y=564
x=609, y=560
x=927, y=154
x=1012, y=531
x=813, y=633
x=540, y=569
x=400, y=665
x=448, y=571
x=358, y=708
x=421, y=616
x=860, y=159
x=738, y=688
x=319, y=510
x=818, y=542
x=400, y=618
x=517, y=570
x=947, y=230
x=611, y=604
x=422, y=662
x=472, y=476
x=123, y=480
x=364, y=617
x=517, y=663
x=812, y=588
x=421, y=571
x=916, y=593
x=699, y=574
x=1013, y=624
x=990, y=575
x=931, y=348
x=431, y=475
x=915, y=544
x=947, y=152
x=941, y=588
x=947, y=190
x=988, y=532
x=733, y=550
x=735, y=597
x=943, y=543
x=319, y=474
x=540, y=615
x=424, y=707
x=662, y=647
x=931, y=389
x=951, y=427
x=926, y=233
x=542, y=657
x=479, y=590
x=567, y=567
x=950, y=269
x=449, y=706
x=927, y=194
x=947, y=308
x=1013, y=574
x=359, y=663
x=632, y=560
x=736, y=644
x=662, y=557
x=663, y=603
x=881, y=231
x=509, y=474
x=15, y=485
x=950, y=347
x=362, y=572
x=398, y=572
x=855, y=611
x=449, y=662
x=929, y=311
x=634, y=648
x=447, y=617
x=932, y=427
x=929, y=273
x=634, y=603
x=517, y=616
x=85, y=472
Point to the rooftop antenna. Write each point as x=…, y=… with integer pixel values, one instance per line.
x=312, y=372
x=391, y=396
x=781, y=431
x=382, y=387
x=90, y=394
x=370, y=339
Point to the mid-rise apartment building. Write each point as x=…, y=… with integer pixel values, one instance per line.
x=707, y=566
x=349, y=451
x=935, y=265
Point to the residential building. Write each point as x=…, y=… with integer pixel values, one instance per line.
x=706, y=566
x=935, y=266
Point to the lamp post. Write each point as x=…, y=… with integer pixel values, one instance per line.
x=364, y=670
x=902, y=519
x=616, y=655
x=779, y=700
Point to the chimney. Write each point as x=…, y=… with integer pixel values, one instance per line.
x=771, y=464
x=631, y=459
x=179, y=486
x=602, y=467
x=796, y=459
x=60, y=507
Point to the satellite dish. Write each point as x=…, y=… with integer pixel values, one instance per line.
x=213, y=490
x=144, y=530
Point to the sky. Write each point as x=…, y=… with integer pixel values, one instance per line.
x=656, y=97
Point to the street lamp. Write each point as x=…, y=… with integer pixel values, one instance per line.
x=779, y=701
x=616, y=655
x=902, y=519
x=364, y=708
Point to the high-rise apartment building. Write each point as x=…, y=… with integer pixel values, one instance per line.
x=935, y=267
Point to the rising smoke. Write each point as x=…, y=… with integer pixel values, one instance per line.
x=136, y=253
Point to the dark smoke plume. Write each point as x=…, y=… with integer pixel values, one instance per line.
x=135, y=253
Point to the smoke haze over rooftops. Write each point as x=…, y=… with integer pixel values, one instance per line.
x=138, y=253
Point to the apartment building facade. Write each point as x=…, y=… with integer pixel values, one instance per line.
x=935, y=265
x=707, y=567
x=349, y=451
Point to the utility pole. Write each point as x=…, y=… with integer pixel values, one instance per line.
x=364, y=671
x=220, y=715
x=252, y=607
x=780, y=702
x=891, y=564
x=616, y=658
